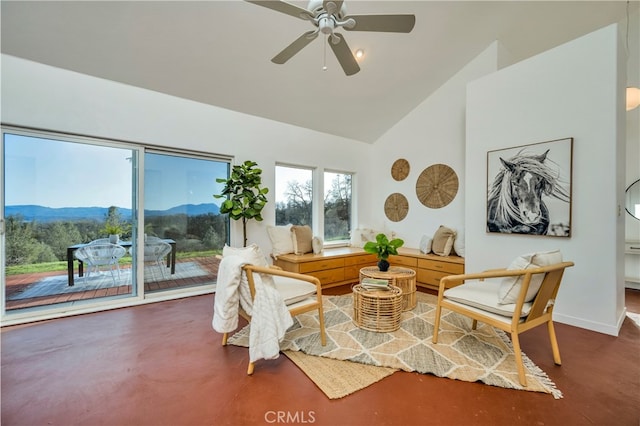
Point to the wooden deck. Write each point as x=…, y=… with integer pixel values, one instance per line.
x=15, y=284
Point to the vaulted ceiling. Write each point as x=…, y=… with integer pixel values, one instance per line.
x=218, y=52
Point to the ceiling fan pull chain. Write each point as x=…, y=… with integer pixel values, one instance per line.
x=324, y=57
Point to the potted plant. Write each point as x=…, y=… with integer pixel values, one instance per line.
x=114, y=226
x=382, y=248
x=246, y=198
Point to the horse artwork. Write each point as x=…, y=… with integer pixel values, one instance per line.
x=530, y=192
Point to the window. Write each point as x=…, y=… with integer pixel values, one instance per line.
x=337, y=207
x=294, y=195
x=72, y=237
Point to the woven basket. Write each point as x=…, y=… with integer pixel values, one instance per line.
x=377, y=310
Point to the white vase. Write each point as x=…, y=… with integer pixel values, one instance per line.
x=114, y=238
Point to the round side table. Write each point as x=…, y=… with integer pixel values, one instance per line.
x=404, y=278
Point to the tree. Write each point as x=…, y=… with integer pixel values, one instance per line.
x=246, y=198
x=21, y=246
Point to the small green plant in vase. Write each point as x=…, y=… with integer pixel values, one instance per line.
x=382, y=248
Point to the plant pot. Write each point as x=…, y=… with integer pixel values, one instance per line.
x=114, y=238
x=383, y=265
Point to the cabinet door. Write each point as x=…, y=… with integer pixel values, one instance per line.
x=328, y=276
x=319, y=265
x=451, y=268
x=411, y=262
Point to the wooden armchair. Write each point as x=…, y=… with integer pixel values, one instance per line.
x=477, y=296
x=301, y=293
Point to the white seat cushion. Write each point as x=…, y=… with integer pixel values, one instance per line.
x=484, y=295
x=293, y=290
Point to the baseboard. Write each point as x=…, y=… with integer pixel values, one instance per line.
x=599, y=327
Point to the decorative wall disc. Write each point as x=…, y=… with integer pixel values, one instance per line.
x=400, y=169
x=396, y=207
x=437, y=186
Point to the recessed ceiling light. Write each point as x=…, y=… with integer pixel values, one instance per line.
x=359, y=54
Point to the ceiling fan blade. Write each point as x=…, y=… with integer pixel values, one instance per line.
x=295, y=47
x=344, y=55
x=332, y=7
x=284, y=7
x=382, y=23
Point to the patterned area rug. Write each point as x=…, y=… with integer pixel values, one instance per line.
x=484, y=355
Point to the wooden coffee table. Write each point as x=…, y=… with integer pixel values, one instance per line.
x=404, y=278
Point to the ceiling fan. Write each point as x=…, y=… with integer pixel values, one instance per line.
x=328, y=16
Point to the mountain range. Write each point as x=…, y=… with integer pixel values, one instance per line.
x=50, y=214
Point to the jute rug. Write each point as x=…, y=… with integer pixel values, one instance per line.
x=484, y=355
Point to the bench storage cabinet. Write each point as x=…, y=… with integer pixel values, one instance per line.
x=341, y=265
x=429, y=267
x=333, y=267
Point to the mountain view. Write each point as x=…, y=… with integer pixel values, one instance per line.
x=49, y=214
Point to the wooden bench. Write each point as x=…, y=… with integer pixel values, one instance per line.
x=341, y=265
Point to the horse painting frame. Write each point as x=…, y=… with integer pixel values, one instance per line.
x=529, y=189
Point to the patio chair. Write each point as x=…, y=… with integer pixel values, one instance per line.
x=100, y=254
x=514, y=300
x=155, y=250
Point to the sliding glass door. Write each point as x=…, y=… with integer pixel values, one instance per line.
x=94, y=221
x=68, y=221
x=183, y=227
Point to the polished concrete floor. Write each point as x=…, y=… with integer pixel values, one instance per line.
x=162, y=364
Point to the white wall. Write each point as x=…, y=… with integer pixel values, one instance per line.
x=574, y=90
x=45, y=97
x=433, y=133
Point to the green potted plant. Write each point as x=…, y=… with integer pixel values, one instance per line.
x=113, y=231
x=382, y=248
x=245, y=197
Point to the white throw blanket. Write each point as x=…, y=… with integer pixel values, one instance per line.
x=270, y=317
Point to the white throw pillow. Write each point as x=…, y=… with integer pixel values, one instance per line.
x=425, y=244
x=317, y=245
x=458, y=244
x=281, y=239
x=510, y=286
x=250, y=254
x=360, y=236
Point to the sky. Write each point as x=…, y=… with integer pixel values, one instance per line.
x=66, y=174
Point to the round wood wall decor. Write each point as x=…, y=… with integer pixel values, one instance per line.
x=437, y=186
x=396, y=207
x=400, y=169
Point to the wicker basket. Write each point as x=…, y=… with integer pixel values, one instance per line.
x=404, y=278
x=377, y=310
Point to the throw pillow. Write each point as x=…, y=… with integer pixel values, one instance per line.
x=250, y=254
x=302, y=236
x=458, y=243
x=443, y=241
x=425, y=244
x=361, y=235
x=317, y=244
x=281, y=242
x=510, y=286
